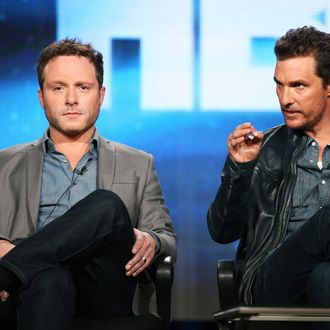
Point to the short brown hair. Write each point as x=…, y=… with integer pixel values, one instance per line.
x=306, y=41
x=67, y=47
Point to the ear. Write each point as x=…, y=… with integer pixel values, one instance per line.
x=41, y=97
x=102, y=93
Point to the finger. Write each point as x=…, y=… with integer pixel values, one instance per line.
x=258, y=135
x=144, y=254
x=138, y=266
x=137, y=259
x=239, y=135
x=143, y=263
x=139, y=249
x=4, y=295
x=242, y=132
x=142, y=266
x=254, y=136
x=139, y=240
x=137, y=245
x=146, y=242
x=234, y=141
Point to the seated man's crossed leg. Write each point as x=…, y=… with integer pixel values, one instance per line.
x=73, y=266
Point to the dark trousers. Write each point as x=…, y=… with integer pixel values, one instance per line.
x=74, y=266
x=298, y=272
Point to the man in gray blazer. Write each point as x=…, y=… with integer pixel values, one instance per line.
x=79, y=215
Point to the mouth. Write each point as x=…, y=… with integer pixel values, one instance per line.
x=290, y=113
x=72, y=113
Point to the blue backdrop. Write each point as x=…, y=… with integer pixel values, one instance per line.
x=180, y=75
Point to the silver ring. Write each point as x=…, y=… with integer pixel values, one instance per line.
x=144, y=259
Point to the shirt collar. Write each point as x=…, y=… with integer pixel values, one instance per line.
x=310, y=140
x=49, y=147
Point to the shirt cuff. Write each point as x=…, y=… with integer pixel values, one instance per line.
x=158, y=243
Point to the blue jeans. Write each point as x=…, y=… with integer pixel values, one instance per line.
x=75, y=266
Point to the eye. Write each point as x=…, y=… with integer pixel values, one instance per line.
x=299, y=85
x=58, y=88
x=277, y=83
x=83, y=88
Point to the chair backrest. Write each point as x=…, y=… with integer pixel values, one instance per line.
x=163, y=280
x=226, y=283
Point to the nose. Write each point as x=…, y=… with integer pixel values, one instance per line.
x=71, y=97
x=285, y=97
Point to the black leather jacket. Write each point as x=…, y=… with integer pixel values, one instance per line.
x=253, y=203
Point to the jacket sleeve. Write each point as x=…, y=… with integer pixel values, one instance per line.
x=226, y=217
x=154, y=215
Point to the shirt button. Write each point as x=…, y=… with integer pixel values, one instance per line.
x=313, y=144
x=311, y=161
x=65, y=160
x=323, y=181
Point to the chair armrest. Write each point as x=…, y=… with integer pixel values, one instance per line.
x=226, y=283
x=162, y=274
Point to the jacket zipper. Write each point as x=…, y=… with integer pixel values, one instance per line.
x=255, y=260
x=287, y=194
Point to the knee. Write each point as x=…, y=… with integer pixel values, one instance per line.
x=318, y=285
x=108, y=198
x=109, y=202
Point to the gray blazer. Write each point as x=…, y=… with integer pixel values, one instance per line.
x=124, y=170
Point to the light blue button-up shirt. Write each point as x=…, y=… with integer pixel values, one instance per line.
x=61, y=187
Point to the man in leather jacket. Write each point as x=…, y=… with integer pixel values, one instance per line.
x=274, y=196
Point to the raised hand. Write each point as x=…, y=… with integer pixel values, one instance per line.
x=244, y=143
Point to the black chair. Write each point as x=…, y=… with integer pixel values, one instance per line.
x=235, y=316
x=227, y=284
x=161, y=274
